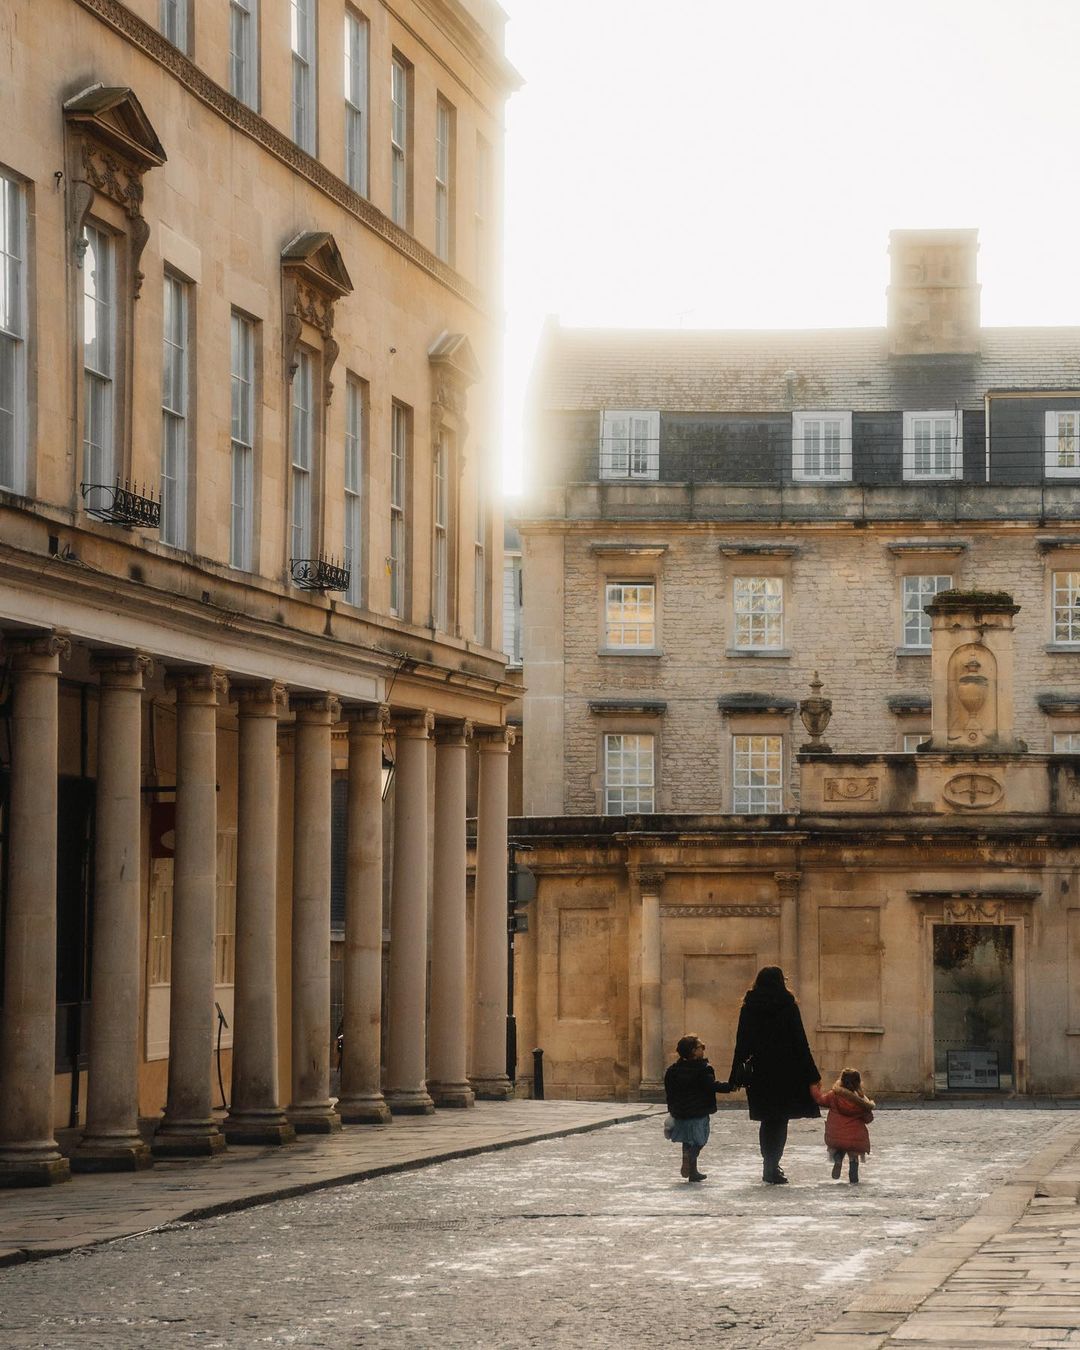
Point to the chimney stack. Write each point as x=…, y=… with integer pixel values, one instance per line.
x=933, y=296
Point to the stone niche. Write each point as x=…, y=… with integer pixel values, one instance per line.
x=972, y=673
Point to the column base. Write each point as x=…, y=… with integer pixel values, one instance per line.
x=452, y=1094
x=651, y=1090
x=102, y=1153
x=409, y=1102
x=258, y=1127
x=187, y=1139
x=497, y=1088
x=321, y=1119
x=35, y=1166
x=363, y=1109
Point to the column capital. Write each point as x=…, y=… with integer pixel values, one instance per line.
x=369, y=719
x=649, y=879
x=268, y=698
x=205, y=685
x=317, y=708
x=121, y=669
x=495, y=740
x=37, y=650
x=787, y=884
x=413, y=725
x=454, y=733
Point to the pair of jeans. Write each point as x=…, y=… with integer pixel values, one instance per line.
x=772, y=1137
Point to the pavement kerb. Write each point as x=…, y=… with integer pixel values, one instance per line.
x=22, y=1255
x=891, y=1300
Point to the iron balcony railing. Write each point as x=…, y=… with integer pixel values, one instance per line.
x=122, y=505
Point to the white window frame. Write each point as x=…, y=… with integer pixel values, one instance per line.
x=757, y=785
x=808, y=429
x=913, y=739
x=629, y=444
x=512, y=597
x=444, y=187
x=175, y=409
x=952, y=466
x=357, y=47
x=1066, y=743
x=757, y=606
x=399, y=141
x=354, y=487
x=244, y=51
x=913, y=588
x=480, y=568
x=440, y=544
x=1054, y=438
x=14, y=398
x=624, y=633
x=242, y=392
x=302, y=450
x=629, y=773
x=1065, y=607
x=482, y=209
x=174, y=21
x=399, y=461
x=101, y=462
x=304, y=83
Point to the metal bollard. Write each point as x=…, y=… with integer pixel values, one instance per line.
x=538, y=1075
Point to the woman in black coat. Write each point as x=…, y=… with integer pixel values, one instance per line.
x=771, y=1047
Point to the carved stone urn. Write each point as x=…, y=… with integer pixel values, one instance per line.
x=815, y=713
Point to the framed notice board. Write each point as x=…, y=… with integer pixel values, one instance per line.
x=973, y=1069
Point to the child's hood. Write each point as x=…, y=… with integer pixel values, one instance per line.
x=851, y=1103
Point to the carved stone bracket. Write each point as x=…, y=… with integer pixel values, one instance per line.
x=454, y=368
x=116, y=145
x=313, y=278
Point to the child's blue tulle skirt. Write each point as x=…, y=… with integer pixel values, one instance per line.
x=694, y=1130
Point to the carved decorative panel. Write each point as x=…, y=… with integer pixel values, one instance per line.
x=851, y=789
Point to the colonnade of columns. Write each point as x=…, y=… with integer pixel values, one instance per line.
x=421, y=1072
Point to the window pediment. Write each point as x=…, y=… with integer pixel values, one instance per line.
x=315, y=257
x=314, y=276
x=114, y=117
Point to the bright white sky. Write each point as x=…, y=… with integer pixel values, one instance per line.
x=739, y=163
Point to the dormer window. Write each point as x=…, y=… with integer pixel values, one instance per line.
x=630, y=444
x=1063, y=444
x=821, y=447
x=933, y=445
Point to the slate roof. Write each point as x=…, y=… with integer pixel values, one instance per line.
x=679, y=370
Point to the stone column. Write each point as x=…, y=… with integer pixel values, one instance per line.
x=361, y=1100
x=28, y=1152
x=311, y=1110
x=490, y=942
x=787, y=887
x=111, y=1140
x=406, y=1090
x=255, y=1115
x=448, y=1084
x=652, y=1029
x=188, y=1128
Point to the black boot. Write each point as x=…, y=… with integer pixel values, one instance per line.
x=837, y=1164
x=853, y=1170
x=684, y=1170
x=694, y=1174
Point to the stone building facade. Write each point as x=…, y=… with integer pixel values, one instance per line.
x=711, y=519
x=250, y=568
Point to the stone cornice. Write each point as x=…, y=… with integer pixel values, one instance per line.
x=152, y=44
x=645, y=707
x=902, y=547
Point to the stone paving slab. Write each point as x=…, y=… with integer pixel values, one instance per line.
x=93, y=1208
x=1009, y=1276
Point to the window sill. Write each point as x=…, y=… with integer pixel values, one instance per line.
x=759, y=653
x=1062, y=648
x=850, y=1030
x=808, y=480
x=650, y=653
x=913, y=651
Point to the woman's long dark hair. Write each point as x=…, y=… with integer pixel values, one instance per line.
x=769, y=979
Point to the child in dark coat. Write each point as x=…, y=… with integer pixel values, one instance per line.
x=691, y=1087
x=850, y=1111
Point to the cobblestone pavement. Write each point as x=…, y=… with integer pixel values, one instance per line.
x=588, y=1241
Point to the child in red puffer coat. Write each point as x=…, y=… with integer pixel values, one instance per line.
x=850, y=1111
